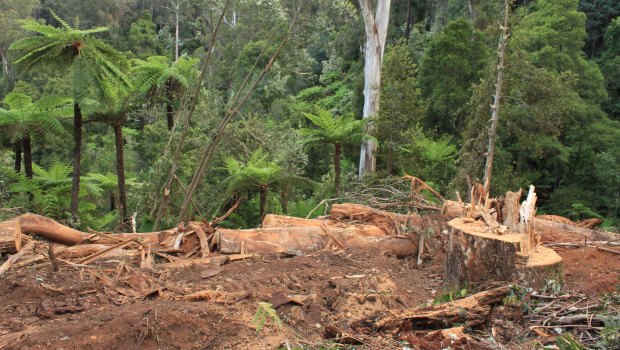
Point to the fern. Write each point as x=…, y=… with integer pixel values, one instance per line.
x=264, y=312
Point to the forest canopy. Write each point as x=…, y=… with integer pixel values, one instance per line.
x=148, y=112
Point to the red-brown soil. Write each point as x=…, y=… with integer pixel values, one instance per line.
x=72, y=309
x=105, y=307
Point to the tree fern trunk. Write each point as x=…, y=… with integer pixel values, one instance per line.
x=120, y=173
x=263, y=201
x=27, y=147
x=337, y=151
x=18, y=157
x=169, y=115
x=77, y=154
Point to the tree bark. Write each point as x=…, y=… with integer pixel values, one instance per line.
x=77, y=154
x=496, y=100
x=120, y=174
x=263, y=201
x=27, y=147
x=284, y=194
x=301, y=240
x=169, y=115
x=18, y=156
x=470, y=311
x=409, y=19
x=337, y=149
x=376, y=31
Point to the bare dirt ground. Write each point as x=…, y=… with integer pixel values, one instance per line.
x=115, y=307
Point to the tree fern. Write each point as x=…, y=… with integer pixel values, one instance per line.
x=336, y=130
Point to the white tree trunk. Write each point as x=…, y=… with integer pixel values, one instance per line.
x=376, y=31
x=496, y=101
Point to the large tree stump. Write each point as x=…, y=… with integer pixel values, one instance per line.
x=476, y=254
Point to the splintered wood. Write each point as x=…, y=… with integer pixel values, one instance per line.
x=470, y=311
x=489, y=250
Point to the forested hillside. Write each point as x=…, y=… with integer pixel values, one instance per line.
x=116, y=113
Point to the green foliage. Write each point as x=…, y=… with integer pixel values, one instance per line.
x=264, y=313
x=450, y=296
x=610, y=335
x=330, y=128
x=157, y=74
x=98, y=69
x=428, y=158
x=25, y=118
x=402, y=106
x=142, y=36
x=566, y=342
x=452, y=63
x=610, y=66
x=50, y=190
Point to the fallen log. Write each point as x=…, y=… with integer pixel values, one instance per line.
x=301, y=240
x=273, y=220
x=469, y=312
x=558, y=229
x=15, y=257
x=10, y=237
x=392, y=223
x=56, y=232
x=50, y=229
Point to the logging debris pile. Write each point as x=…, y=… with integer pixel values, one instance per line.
x=353, y=277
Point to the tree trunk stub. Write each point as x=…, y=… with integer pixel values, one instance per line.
x=77, y=154
x=120, y=173
x=475, y=255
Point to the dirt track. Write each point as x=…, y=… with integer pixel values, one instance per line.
x=75, y=308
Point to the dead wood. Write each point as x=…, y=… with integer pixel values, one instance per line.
x=608, y=250
x=50, y=229
x=551, y=228
x=105, y=252
x=15, y=257
x=273, y=220
x=470, y=311
x=392, y=223
x=453, y=209
x=202, y=236
x=10, y=237
x=52, y=256
x=301, y=240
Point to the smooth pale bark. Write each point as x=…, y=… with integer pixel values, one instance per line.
x=77, y=155
x=376, y=31
x=496, y=101
x=120, y=174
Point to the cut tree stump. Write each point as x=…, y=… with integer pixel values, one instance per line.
x=475, y=255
